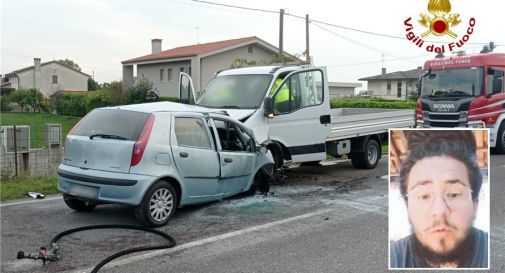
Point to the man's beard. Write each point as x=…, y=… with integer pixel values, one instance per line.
x=460, y=255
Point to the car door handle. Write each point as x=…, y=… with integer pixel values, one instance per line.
x=183, y=154
x=228, y=160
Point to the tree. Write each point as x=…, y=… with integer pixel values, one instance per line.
x=116, y=89
x=137, y=93
x=92, y=85
x=69, y=63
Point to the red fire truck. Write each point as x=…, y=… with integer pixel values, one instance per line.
x=465, y=91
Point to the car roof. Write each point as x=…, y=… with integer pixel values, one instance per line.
x=165, y=106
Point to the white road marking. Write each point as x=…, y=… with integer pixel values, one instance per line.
x=153, y=254
x=29, y=201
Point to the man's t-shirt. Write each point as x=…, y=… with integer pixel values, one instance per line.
x=402, y=254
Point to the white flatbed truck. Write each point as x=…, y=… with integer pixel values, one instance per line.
x=288, y=109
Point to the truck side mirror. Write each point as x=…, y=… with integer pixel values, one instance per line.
x=268, y=107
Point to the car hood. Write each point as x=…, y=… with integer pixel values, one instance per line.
x=240, y=114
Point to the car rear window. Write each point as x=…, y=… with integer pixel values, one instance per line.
x=127, y=124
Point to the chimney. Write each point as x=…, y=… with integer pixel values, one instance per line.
x=383, y=71
x=36, y=64
x=37, y=79
x=156, y=46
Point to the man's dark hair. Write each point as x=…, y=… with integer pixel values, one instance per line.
x=459, y=145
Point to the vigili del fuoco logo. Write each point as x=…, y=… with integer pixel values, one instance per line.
x=438, y=23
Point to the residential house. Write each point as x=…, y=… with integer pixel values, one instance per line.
x=395, y=85
x=48, y=77
x=342, y=89
x=201, y=61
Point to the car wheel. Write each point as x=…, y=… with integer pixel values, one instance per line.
x=158, y=205
x=500, y=141
x=369, y=158
x=78, y=204
x=271, y=169
x=262, y=181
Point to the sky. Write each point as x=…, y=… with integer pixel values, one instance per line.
x=99, y=34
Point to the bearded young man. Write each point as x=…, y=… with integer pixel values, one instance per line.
x=440, y=183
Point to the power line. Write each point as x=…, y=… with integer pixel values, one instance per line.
x=374, y=62
x=321, y=22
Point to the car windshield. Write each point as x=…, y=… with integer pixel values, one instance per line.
x=465, y=82
x=235, y=91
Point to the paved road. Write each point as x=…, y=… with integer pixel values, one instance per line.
x=323, y=219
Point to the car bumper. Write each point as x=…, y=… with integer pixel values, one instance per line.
x=103, y=186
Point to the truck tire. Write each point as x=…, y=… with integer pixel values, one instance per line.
x=158, y=205
x=500, y=141
x=78, y=204
x=368, y=159
x=278, y=159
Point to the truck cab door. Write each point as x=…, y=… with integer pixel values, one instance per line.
x=301, y=121
x=186, y=89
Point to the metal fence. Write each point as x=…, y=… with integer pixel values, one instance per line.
x=30, y=150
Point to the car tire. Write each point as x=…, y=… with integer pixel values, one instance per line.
x=369, y=158
x=261, y=182
x=500, y=141
x=158, y=205
x=78, y=204
x=278, y=159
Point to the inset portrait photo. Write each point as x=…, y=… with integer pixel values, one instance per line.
x=439, y=198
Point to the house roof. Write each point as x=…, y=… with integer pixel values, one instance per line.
x=44, y=64
x=344, y=84
x=193, y=50
x=398, y=75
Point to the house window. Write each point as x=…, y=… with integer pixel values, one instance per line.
x=162, y=74
x=169, y=74
x=388, y=88
x=181, y=69
x=55, y=79
x=399, y=84
x=250, y=50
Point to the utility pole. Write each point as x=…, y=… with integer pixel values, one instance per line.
x=281, y=33
x=307, y=51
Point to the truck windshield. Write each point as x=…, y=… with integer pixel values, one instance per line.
x=463, y=82
x=235, y=91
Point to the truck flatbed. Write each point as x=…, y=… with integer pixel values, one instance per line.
x=354, y=122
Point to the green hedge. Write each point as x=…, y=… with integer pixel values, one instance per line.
x=372, y=103
x=173, y=99
x=71, y=104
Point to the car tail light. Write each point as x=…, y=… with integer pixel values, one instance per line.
x=140, y=145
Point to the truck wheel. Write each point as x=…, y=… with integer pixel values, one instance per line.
x=158, y=205
x=278, y=159
x=500, y=141
x=78, y=204
x=368, y=159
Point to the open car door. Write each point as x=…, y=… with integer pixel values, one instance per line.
x=186, y=89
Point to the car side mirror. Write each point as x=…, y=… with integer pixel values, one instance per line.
x=268, y=107
x=262, y=149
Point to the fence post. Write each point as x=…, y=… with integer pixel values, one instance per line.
x=15, y=150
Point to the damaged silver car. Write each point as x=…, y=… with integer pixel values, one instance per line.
x=158, y=157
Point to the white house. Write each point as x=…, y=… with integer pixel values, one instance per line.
x=395, y=85
x=201, y=61
x=49, y=78
x=342, y=89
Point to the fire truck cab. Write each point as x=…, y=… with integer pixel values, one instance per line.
x=465, y=91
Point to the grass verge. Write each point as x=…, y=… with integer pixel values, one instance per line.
x=37, y=122
x=18, y=187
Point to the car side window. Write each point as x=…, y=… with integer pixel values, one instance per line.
x=300, y=90
x=191, y=132
x=233, y=138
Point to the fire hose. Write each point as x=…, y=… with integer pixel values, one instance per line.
x=50, y=253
